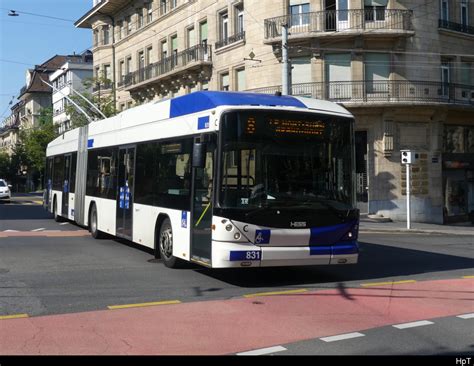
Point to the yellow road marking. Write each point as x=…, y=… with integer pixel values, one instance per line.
x=144, y=304
x=16, y=316
x=467, y=276
x=386, y=283
x=288, y=292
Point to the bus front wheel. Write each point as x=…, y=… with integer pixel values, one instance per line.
x=165, y=244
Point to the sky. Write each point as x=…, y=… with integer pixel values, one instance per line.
x=31, y=39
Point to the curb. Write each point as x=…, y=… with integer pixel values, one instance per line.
x=416, y=231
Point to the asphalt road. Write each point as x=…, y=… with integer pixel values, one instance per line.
x=59, y=269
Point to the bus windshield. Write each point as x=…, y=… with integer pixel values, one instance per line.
x=278, y=159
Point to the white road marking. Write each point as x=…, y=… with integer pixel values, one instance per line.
x=413, y=324
x=341, y=337
x=10, y=231
x=40, y=229
x=262, y=351
x=64, y=223
x=466, y=316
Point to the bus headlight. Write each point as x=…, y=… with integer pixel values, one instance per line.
x=229, y=227
x=237, y=236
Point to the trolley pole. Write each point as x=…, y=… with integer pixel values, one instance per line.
x=284, y=54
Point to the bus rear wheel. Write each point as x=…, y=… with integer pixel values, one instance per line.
x=93, y=224
x=57, y=218
x=165, y=244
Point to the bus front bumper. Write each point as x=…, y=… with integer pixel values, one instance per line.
x=225, y=255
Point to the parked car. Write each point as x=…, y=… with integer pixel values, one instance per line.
x=5, y=193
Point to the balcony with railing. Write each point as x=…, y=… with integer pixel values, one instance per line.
x=105, y=86
x=382, y=92
x=188, y=60
x=230, y=40
x=341, y=22
x=456, y=27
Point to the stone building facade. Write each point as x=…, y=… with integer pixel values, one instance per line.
x=404, y=68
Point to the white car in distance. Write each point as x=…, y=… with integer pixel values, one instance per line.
x=5, y=193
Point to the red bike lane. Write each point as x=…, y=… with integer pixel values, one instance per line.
x=236, y=325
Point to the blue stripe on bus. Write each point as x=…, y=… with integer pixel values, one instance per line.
x=330, y=234
x=350, y=247
x=341, y=248
x=204, y=100
x=320, y=250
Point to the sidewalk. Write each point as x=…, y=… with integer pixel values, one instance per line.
x=368, y=225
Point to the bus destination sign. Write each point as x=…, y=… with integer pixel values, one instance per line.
x=283, y=126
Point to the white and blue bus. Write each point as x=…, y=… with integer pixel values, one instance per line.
x=223, y=179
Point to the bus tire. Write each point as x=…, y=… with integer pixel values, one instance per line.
x=57, y=218
x=93, y=224
x=165, y=245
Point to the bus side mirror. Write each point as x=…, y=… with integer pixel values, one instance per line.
x=199, y=155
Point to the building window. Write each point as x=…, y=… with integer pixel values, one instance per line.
x=174, y=48
x=122, y=70
x=203, y=33
x=374, y=13
x=223, y=26
x=466, y=73
x=444, y=10
x=240, y=79
x=377, y=72
x=107, y=73
x=163, y=7
x=128, y=65
x=106, y=34
x=164, y=49
x=149, y=12
x=120, y=33
x=141, y=60
x=191, y=36
x=224, y=81
x=139, y=18
x=149, y=55
x=464, y=13
x=96, y=37
x=299, y=14
x=445, y=79
x=239, y=19
x=129, y=24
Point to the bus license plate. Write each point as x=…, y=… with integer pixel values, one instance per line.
x=245, y=255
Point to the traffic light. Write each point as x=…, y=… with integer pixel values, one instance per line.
x=408, y=157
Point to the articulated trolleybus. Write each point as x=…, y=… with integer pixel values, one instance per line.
x=223, y=179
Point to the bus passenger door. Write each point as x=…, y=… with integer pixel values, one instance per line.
x=66, y=186
x=125, y=194
x=201, y=214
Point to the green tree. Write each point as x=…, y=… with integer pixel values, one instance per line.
x=5, y=166
x=31, y=151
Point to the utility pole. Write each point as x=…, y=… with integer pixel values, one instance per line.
x=286, y=88
x=408, y=166
x=408, y=158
